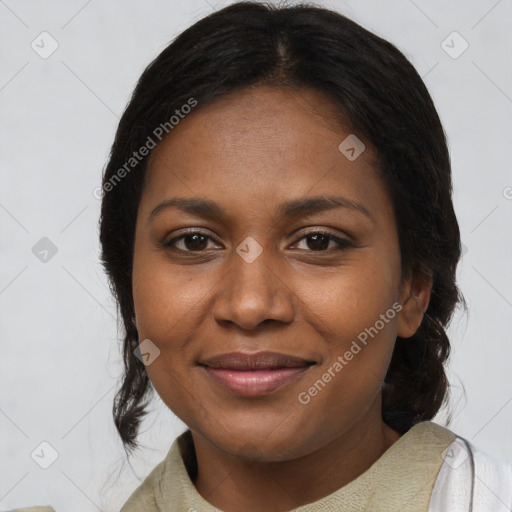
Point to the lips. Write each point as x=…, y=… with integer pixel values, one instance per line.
x=255, y=374
x=259, y=361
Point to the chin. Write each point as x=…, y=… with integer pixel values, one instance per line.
x=262, y=440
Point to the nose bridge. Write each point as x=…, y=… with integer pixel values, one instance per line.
x=252, y=291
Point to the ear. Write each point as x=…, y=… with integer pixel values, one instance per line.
x=414, y=298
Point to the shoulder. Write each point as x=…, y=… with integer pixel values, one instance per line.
x=472, y=479
x=165, y=483
x=492, y=481
x=143, y=498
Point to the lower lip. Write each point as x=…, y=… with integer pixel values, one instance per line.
x=257, y=382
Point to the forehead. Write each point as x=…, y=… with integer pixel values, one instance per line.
x=238, y=124
x=259, y=145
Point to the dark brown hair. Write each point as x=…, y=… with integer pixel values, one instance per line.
x=373, y=86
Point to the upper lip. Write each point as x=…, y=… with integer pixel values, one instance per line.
x=257, y=361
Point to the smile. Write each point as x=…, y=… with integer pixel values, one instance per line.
x=255, y=374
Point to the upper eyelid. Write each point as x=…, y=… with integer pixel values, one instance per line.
x=323, y=231
x=191, y=231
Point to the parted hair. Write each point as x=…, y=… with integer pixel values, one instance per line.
x=374, y=88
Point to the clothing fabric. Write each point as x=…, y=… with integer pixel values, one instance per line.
x=429, y=469
x=471, y=481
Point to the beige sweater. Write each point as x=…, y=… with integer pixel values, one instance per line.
x=401, y=479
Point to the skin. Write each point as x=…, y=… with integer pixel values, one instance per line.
x=249, y=152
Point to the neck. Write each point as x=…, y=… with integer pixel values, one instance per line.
x=233, y=483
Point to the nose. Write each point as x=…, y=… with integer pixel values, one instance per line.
x=252, y=292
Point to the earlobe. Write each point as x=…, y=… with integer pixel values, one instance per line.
x=417, y=292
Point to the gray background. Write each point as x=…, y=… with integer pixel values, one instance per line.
x=60, y=358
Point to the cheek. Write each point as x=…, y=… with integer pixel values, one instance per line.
x=168, y=301
x=350, y=301
x=169, y=305
x=356, y=314
x=358, y=325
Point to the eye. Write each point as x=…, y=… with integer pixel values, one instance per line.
x=319, y=241
x=315, y=241
x=191, y=241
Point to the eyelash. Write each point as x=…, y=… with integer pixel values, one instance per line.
x=342, y=244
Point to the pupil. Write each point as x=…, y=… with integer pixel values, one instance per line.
x=320, y=242
x=198, y=241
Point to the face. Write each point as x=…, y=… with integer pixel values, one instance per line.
x=275, y=309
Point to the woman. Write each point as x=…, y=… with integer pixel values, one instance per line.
x=278, y=229
x=285, y=257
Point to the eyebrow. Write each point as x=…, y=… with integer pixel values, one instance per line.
x=290, y=209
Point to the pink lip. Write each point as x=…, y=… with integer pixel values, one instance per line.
x=257, y=382
x=255, y=374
